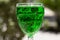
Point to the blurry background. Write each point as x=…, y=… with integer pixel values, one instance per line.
x=9, y=28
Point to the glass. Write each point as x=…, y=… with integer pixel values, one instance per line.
x=30, y=17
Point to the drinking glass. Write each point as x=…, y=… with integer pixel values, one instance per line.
x=30, y=17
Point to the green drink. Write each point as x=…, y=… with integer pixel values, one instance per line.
x=30, y=17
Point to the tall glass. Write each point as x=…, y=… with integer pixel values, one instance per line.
x=30, y=17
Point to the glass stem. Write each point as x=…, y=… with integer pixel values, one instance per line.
x=30, y=38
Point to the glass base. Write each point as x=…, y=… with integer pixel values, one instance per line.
x=30, y=38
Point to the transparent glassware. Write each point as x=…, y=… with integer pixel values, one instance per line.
x=30, y=17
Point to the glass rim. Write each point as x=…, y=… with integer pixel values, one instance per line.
x=29, y=4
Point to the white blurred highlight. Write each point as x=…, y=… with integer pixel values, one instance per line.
x=4, y=27
x=49, y=12
x=44, y=36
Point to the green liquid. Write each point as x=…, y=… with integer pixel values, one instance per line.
x=30, y=19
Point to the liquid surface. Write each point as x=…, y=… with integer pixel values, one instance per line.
x=30, y=19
